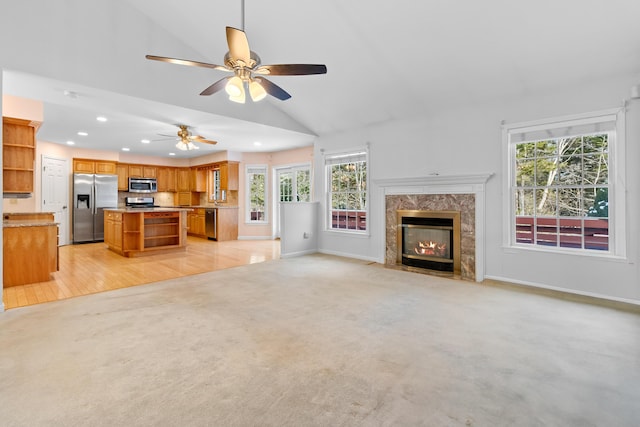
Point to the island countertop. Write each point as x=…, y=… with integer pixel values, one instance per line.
x=28, y=219
x=161, y=209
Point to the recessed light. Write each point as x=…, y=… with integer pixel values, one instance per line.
x=257, y=143
x=70, y=143
x=82, y=133
x=125, y=149
x=145, y=141
x=101, y=118
x=172, y=154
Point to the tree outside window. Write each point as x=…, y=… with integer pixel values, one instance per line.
x=561, y=192
x=347, y=175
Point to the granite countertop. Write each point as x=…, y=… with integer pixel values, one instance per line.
x=28, y=223
x=164, y=209
x=12, y=219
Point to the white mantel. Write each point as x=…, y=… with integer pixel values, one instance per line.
x=442, y=184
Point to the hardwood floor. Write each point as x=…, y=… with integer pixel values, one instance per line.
x=91, y=268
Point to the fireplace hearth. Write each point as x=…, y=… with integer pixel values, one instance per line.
x=429, y=240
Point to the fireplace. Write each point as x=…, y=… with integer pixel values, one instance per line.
x=429, y=240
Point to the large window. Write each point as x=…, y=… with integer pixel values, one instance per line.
x=347, y=191
x=561, y=187
x=256, y=191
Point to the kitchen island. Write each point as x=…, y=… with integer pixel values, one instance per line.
x=143, y=231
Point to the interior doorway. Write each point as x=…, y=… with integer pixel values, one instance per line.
x=55, y=194
x=293, y=185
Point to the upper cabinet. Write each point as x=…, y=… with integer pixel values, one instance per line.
x=183, y=180
x=103, y=167
x=142, y=171
x=123, y=176
x=229, y=176
x=166, y=179
x=18, y=151
x=199, y=179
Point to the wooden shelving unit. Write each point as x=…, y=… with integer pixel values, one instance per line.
x=161, y=229
x=18, y=151
x=136, y=233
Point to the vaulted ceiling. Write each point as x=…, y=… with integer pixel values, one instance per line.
x=386, y=61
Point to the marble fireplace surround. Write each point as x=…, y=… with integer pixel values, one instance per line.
x=465, y=193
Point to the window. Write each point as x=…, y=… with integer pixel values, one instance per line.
x=256, y=190
x=347, y=191
x=294, y=183
x=562, y=194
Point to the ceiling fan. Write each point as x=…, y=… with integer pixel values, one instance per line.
x=186, y=139
x=247, y=70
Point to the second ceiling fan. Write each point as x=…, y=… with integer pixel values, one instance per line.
x=247, y=70
x=186, y=139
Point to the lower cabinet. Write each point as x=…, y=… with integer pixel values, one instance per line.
x=30, y=245
x=197, y=223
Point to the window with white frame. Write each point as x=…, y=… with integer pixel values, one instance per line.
x=256, y=191
x=563, y=194
x=347, y=184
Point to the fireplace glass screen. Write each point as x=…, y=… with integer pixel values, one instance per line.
x=427, y=243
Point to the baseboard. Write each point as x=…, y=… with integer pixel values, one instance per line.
x=569, y=294
x=255, y=238
x=300, y=253
x=348, y=255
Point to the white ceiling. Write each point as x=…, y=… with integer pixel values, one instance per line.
x=385, y=60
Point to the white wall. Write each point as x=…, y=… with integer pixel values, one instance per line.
x=468, y=140
x=298, y=222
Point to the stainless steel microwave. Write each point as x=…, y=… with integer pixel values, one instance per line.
x=143, y=185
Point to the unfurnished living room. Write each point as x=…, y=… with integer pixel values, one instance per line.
x=286, y=213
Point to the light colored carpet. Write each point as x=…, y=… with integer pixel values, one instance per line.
x=318, y=341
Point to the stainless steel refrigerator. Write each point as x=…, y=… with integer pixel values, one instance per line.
x=91, y=195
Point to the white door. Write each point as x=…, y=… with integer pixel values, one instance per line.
x=55, y=194
x=293, y=184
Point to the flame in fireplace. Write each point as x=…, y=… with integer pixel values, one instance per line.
x=431, y=248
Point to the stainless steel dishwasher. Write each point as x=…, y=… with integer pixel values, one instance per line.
x=211, y=225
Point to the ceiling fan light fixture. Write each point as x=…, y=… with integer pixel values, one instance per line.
x=256, y=91
x=239, y=99
x=234, y=86
x=181, y=146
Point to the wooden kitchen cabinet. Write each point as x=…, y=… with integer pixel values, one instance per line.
x=122, y=170
x=183, y=179
x=197, y=222
x=113, y=230
x=167, y=179
x=18, y=151
x=142, y=171
x=199, y=179
x=30, y=242
x=229, y=176
x=104, y=167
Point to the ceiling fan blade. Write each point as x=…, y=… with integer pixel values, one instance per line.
x=291, y=69
x=219, y=85
x=238, y=45
x=273, y=89
x=187, y=62
x=201, y=139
